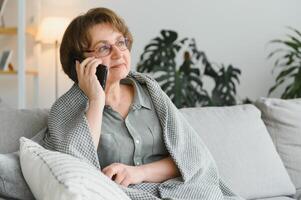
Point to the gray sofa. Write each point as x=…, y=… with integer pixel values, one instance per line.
x=257, y=149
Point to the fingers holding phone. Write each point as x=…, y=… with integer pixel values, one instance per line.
x=87, y=79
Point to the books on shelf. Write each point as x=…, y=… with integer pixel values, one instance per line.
x=2, y=6
x=5, y=58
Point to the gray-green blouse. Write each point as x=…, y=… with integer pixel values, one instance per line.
x=135, y=140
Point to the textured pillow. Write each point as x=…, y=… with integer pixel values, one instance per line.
x=283, y=120
x=12, y=183
x=17, y=123
x=54, y=175
x=243, y=150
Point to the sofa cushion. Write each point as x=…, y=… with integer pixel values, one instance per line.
x=3, y=105
x=283, y=120
x=17, y=123
x=12, y=183
x=277, y=198
x=243, y=150
x=62, y=176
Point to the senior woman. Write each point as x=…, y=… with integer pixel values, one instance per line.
x=122, y=115
x=130, y=129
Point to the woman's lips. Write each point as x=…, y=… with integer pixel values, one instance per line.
x=117, y=66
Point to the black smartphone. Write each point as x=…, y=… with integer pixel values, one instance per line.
x=102, y=73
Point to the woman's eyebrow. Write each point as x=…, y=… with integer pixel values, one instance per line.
x=100, y=41
x=106, y=41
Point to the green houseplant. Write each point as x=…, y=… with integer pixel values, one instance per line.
x=288, y=60
x=183, y=83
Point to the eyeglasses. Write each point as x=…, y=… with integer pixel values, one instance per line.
x=105, y=49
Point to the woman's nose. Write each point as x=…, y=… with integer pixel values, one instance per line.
x=116, y=53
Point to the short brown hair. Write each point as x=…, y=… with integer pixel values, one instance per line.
x=77, y=39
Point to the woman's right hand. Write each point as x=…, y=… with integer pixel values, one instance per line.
x=89, y=84
x=87, y=79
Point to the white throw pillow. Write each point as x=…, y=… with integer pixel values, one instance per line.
x=54, y=175
x=283, y=120
x=243, y=150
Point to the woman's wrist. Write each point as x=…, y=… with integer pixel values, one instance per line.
x=143, y=171
x=159, y=171
x=96, y=103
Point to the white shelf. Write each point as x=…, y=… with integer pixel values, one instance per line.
x=33, y=72
x=21, y=31
x=14, y=31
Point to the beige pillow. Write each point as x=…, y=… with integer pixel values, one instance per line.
x=283, y=121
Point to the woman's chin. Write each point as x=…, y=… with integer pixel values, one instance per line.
x=116, y=74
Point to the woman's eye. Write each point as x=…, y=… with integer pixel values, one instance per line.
x=121, y=43
x=103, y=48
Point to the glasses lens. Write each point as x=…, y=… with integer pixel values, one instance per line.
x=122, y=44
x=104, y=50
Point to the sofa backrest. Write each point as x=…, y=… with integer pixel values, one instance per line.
x=243, y=150
x=15, y=123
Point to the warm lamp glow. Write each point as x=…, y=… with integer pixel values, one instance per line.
x=52, y=29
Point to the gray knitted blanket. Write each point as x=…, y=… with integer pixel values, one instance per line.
x=69, y=133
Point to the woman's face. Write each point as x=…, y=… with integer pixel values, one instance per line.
x=118, y=61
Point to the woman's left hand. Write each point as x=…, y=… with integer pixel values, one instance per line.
x=124, y=174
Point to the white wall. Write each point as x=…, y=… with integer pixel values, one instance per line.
x=231, y=32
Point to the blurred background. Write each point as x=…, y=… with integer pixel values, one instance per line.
x=223, y=60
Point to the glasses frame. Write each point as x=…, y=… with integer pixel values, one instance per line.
x=127, y=41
